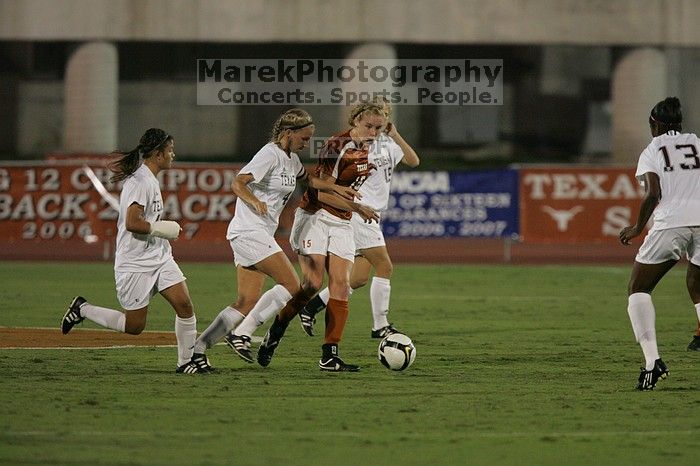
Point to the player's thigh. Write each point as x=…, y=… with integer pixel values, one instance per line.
x=380, y=260
x=645, y=277
x=178, y=295
x=361, y=269
x=278, y=267
x=172, y=286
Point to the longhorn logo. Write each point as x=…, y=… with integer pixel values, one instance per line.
x=562, y=217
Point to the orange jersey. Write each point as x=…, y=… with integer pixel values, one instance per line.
x=340, y=158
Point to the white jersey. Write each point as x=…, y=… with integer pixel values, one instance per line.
x=274, y=179
x=137, y=252
x=385, y=154
x=675, y=157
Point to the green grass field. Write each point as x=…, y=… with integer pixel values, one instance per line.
x=515, y=365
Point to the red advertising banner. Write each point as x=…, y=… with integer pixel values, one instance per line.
x=55, y=208
x=577, y=205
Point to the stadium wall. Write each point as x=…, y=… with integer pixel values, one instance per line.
x=63, y=210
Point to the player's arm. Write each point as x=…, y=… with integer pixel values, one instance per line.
x=240, y=189
x=651, y=199
x=346, y=192
x=367, y=213
x=410, y=157
x=135, y=222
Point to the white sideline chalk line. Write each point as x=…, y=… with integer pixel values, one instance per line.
x=467, y=435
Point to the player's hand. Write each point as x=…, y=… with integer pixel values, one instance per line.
x=260, y=207
x=391, y=130
x=628, y=233
x=368, y=214
x=346, y=192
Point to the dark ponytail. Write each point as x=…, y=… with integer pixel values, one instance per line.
x=667, y=114
x=153, y=139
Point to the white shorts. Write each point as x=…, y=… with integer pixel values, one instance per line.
x=251, y=248
x=135, y=289
x=671, y=244
x=367, y=235
x=322, y=233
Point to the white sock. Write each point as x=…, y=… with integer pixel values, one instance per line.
x=324, y=295
x=379, y=294
x=643, y=318
x=697, y=309
x=104, y=316
x=185, y=333
x=267, y=306
x=227, y=320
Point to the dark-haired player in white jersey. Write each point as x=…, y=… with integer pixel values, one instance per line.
x=387, y=151
x=143, y=261
x=669, y=167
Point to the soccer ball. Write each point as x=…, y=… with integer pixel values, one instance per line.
x=396, y=352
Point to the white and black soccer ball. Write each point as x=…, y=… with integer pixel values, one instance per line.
x=396, y=352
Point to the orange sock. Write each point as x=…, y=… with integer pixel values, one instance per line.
x=697, y=331
x=336, y=316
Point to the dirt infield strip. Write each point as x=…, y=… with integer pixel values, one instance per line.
x=21, y=337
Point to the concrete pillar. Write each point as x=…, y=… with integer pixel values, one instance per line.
x=91, y=99
x=380, y=51
x=639, y=81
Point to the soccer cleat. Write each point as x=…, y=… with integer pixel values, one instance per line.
x=331, y=362
x=307, y=316
x=72, y=315
x=647, y=379
x=241, y=345
x=267, y=349
x=694, y=344
x=202, y=362
x=192, y=367
x=384, y=331
x=335, y=364
x=307, y=322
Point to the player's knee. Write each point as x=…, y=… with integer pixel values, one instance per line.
x=134, y=327
x=384, y=268
x=184, y=309
x=356, y=283
x=311, y=287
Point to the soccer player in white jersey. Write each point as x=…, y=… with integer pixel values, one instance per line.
x=669, y=167
x=263, y=188
x=143, y=263
x=388, y=150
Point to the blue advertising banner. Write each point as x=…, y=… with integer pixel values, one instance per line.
x=463, y=204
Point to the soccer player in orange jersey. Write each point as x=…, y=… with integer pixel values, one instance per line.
x=323, y=237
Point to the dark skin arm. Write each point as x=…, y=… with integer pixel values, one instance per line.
x=649, y=203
